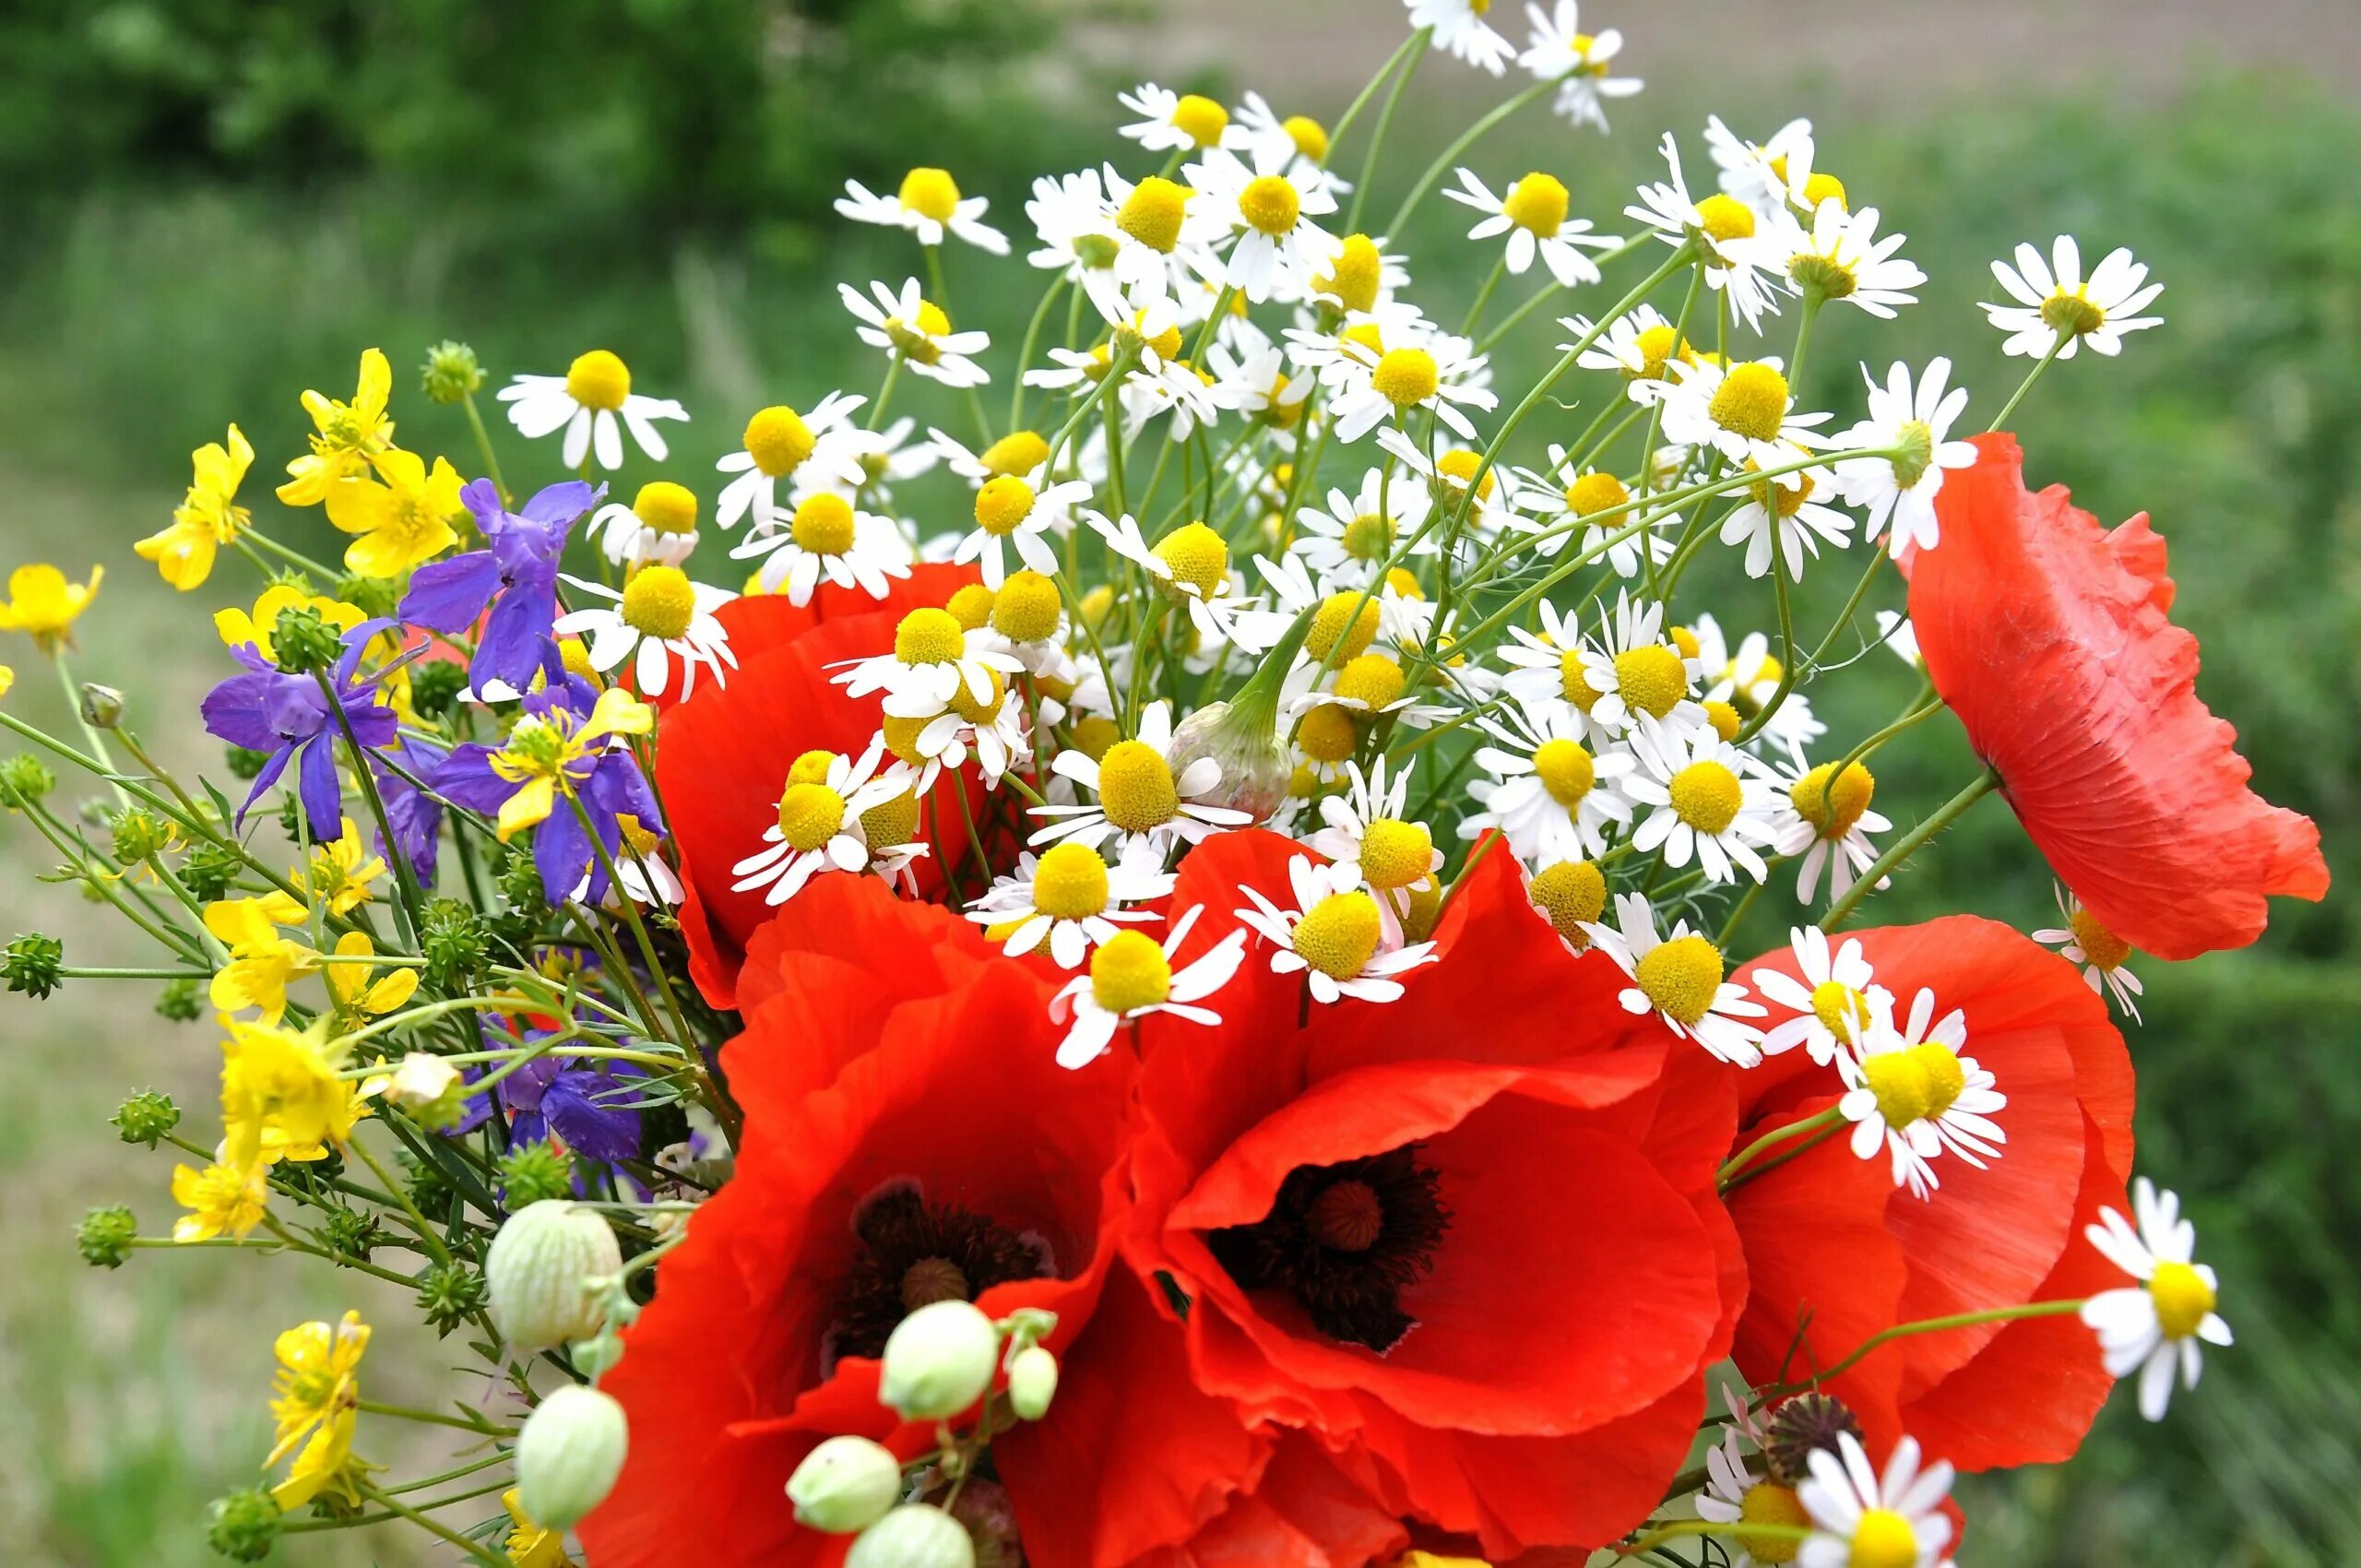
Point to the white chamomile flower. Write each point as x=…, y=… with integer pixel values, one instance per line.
x=1447, y=471
x=1780, y=513
x=1268, y=207
x=659, y=527
x=1709, y=803
x=1167, y=387
x=1580, y=63
x=779, y=442
x=642, y=874
x=1744, y=411
x=934, y=660
x=2057, y=309
x=1367, y=834
x=1860, y=1519
x=1735, y=1495
x=1334, y=936
x=659, y=616
x=594, y=404
x=1533, y=216
x=1834, y=995
x=1679, y=977
x=1173, y=121
x=826, y=538
x=1896, y=633
x=1296, y=135
x=851, y=461
x=929, y=205
x=1552, y=797
x=1458, y=29
x=1350, y=541
x=1725, y=233
x=1634, y=345
x=1841, y=257
x=2155, y=1325
x=2083, y=940
x=1020, y=515
x=1917, y=423
x=821, y=826
x=1774, y=177
x=1557, y=503
x=1740, y=685
x=1132, y=978
x=1191, y=566
x=1635, y=676
x=1140, y=798
x=913, y=330
x=1441, y=376
x=1830, y=828
x=1081, y=238
x=1067, y=900
x=990, y=729
x=1911, y=1093
x=1250, y=379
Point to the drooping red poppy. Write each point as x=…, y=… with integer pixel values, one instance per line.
x=907, y=1128
x=722, y=757
x=1467, y=1242
x=1836, y=1253
x=2047, y=635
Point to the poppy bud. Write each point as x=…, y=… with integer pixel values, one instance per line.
x=913, y=1536
x=1032, y=1382
x=1243, y=734
x=568, y=1455
x=846, y=1484
x=939, y=1361
x=102, y=705
x=538, y=1268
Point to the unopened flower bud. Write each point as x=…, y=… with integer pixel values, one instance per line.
x=450, y=372
x=102, y=705
x=428, y=1087
x=145, y=1117
x=568, y=1455
x=913, y=1536
x=532, y=1172
x=449, y=1295
x=304, y=640
x=434, y=685
x=846, y=1484
x=243, y=1526
x=137, y=833
x=32, y=964
x=181, y=1001
x=1032, y=1382
x=538, y=1268
x=105, y=1236
x=939, y=1361
x=24, y=780
x=1245, y=742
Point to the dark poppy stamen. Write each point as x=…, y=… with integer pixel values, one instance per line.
x=1344, y=1241
x=913, y=1253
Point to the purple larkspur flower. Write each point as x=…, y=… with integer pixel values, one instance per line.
x=415, y=817
x=516, y=577
x=293, y=718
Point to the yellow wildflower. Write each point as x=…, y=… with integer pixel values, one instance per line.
x=281, y=1098
x=351, y=988
x=42, y=604
x=401, y=522
x=208, y=518
x=7, y=678
x=239, y=626
x=339, y=873
x=530, y=1546
x=544, y=753
x=347, y=434
x=316, y=1363
x=219, y=1198
x=327, y=1464
x=262, y=962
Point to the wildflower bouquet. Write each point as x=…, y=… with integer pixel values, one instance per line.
x=1157, y=987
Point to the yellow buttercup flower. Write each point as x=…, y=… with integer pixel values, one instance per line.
x=262, y=962
x=208, y=518
x=543, y=753
x=327, y=1464
x=530, y=1546
x=339, y=873
x=402, y=521
x=239, y=626
x=353, y=990
x=42, y=604
x=316, y=1365
x=346, y=436
x=281, y=1098
x=222, y=1199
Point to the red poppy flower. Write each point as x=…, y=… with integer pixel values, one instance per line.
x=1466, y=1241
x=2047, y=635
x=907, y=1130
x=1836, y=1253
x=722, y=757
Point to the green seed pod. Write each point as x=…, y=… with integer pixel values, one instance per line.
x=1032, y=1382
x=844, y=1485
x=243, y=1526
x=538, y=1268
x=568, y=1455
x=105, y=1236
x=145, y=1117
x=939, y=1361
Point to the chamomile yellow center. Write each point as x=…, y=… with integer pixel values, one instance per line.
x=1269, y=204
x=575, y=654
x=1310, y=137
x=1339, y=936
x=597, y=380
x=980, y=710
x=1459, y=466
x=1353, y=279
x=1003, y=504
x=636, y=835
x=1199, y=118
x=1395, y=853
x=2099, y=945
x=810, y=815
x=823, y=524
x=930, y=193
x=658, y=602
x=929, y=637
x=667, y=508
x=810, y=767
x=1750, y=401
x=1404, y=586
x=1783, y=495
x=892, y=822
x=1070, y=883
x=1768, y=1502
x=1369, y=537
x=1842, y=1011
x=1027, y=609
x=971, y=605
x=1651, y=678
x=1725, y=218
x=1833, y=811
x=1136, y=787
x=1679, y=977
x=1594, y=493
x=778, y=440
x=915, y=339
x=2182, y=1299
x=1824, y=273
x=1915, y=1084
x=1884, y=1539
x=1095, y=734
x=1129, y=971
x=1372, y=679
x=1536, y=203
x=1565, y=770
x=1706, y=795
x=901, y=737
x=1405, y=376
x=1573, y=681
x=1657, y=345
x=1326, y=733
x=2074, y=312
x=1569, y=893
x=1198, y=556
x=1685, y=639
x=1724, y=718
x=1018, y=452
x=1365, y=335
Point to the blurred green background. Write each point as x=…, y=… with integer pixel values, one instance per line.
x=212, y=207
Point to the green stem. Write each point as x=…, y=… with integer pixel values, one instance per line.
x=2026, y=386
x=1416, y=41
x=1900, y=850
x=1384, y=124
x=1927, y=1325
x=396, y=1506
x=1025, y=355
x=1450, y=155
x=482, y=1429
x=1772, y=1139
x=1484, y=295
x=483, y=447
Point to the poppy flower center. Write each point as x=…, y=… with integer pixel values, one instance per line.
x=2182, y=1299
x=1339, y=936
x=1395, y=853
x=1680, y=977
x=810, y=815
x=1565, y=770
x=1536, y=203
x=1198, y=558
x=1128, y=972
x=1270, y=204
x=658, y=602
x=1569, y=893
x=1335, y=620
x=1833, y=811
x=1770, y=1503
x=666, y=507
x=1407, y=376
x=1842, y=1011
x=912, y=1254
x=778, y=440
x=1070, y=883
x=822, y=525
x=1136, y=787
x=1706, y=796
x=930, y=193
x=2100, y=945
x=597, y=380
x=1883, y=1539
x=1916, y=1085
x=1201, y=118
x=1344, y=1241
x=1651, y=678
x=1752, y=402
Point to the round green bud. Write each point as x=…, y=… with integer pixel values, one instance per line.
x=145, y=1117
x=568, y=1455
x=244, y=1525
x=303, y=641
x=846, y=1484
x=209, y=869
x=24, y=780
x=105, y=1236
x=138, y=834
x=916, y=1534
x=450, y=372
x=244, y=763
x=434, y=686
x=532, y=1172
x=1032, y=1382
x=31, y=963
x=454, y=942
x=349, y=1235
x=540, y=1267
x=181, y=1000
x=939, y=1361
x=374, y=597
x=449, y=1294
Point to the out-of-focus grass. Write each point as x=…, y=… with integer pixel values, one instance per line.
x=151, y=320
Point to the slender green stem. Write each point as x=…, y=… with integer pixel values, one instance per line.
x=2026, y=386
x=1452, y=154
x=483, y=447
x=1384, y=124
x=885, y=392
x=1900, y=850
x=1416, y=41
x=481, y=1428
x=1925, y=1325
x=1737, y=1162
x=1484, y=295
x=1025, y=354
x=327, y=576
x=396, y=1506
